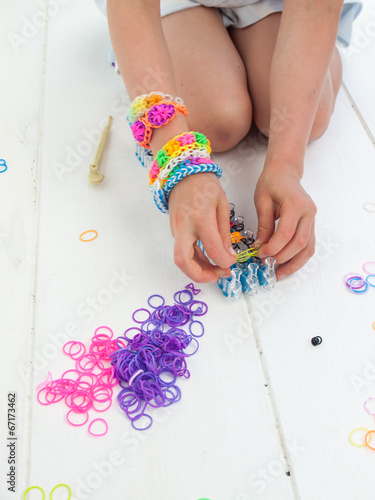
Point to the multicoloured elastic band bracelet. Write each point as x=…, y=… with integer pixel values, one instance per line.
x=157, y=116
x=176, y=150
x=161, y=195
x=144, y=102
x=171, y=164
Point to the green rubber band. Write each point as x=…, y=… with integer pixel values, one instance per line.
x=58, y=486
x=35, y=488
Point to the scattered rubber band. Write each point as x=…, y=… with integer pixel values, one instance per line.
x=366, y=441
x=369, y=207
x=364, y=267
x=58, y=486
x=365, y=406
x=367, y=280
x=351, y=434
x=3, y=164
x=43, y=384
x=35, y=488
x=87, y=232
x=102, y=433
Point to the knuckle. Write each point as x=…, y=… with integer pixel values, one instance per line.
x=179, y=259
x=302, y=241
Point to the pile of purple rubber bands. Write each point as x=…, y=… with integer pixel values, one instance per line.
x=152, y=355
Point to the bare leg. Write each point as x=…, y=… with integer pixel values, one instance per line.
x=256, y=45
x=210, y=75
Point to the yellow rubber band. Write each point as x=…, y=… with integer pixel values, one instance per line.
x=355, y=430
x=246, y=254
x=34, y=488
x=58, y=486
x=86, y=232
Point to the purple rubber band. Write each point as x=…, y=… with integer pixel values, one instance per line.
x=155, y=296
x=202, y=328
x=142, y=309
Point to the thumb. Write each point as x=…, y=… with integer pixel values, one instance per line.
x=223, y=217
x=266, y=222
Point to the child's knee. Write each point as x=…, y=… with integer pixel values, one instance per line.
x=227, y=124
x=321, y=121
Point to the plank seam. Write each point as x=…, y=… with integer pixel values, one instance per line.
x=37, y=197
x=358, y=113
x=273, y=403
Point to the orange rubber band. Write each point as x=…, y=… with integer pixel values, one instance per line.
x=366, y=443
x=355, y=430
x=236, y=237
x=86, y=232
x=373, y=325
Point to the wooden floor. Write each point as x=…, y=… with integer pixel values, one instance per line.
x=265, y=414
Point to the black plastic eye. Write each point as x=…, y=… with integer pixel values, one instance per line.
x=316, y=340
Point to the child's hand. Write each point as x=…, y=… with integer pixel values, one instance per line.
x=279, y=195
x=199, y=210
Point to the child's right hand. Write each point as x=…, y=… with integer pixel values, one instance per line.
x=199, y=210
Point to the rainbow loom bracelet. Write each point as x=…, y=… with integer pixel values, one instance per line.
x=177, y=149
x=157, y=116
x=142, y=103
x=176, y=160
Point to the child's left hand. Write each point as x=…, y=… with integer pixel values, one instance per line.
x=279, y=195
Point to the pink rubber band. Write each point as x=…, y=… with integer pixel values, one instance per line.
x=97, y=420
x=364, y=267
x=365, y=406
x=43, y=384
x=73, y=343
x=105, y=328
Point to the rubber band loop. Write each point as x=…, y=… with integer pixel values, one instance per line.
x=134, y=376
x=195, y=291
x=35, y=488
x=98, y=420
x=3, y=164
x=202, y=328
x=365, y=406
x=367, y=206
x=58, y=486
x=366, y=442
x=45, y=382
x=373, y=325
x=153, y=296
x=87, y=232
x=178, y=300
x=351, y=434
x=367, y=279
x=138, y=310
x=365, y=264
x=139, y=417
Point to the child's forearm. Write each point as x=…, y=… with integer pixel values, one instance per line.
x=143, y=57
x=300, y=64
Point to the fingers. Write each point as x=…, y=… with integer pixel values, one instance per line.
x=299, y=260
x=190, y=259
x=266, y=219
x=284, y=233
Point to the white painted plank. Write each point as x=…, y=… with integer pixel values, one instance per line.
x=21, y=87
x=313, y=387
x=214, y=439
x=359, y=64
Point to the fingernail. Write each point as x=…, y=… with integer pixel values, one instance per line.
x=261, y=255
x=232, y=251
x=213, y=280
